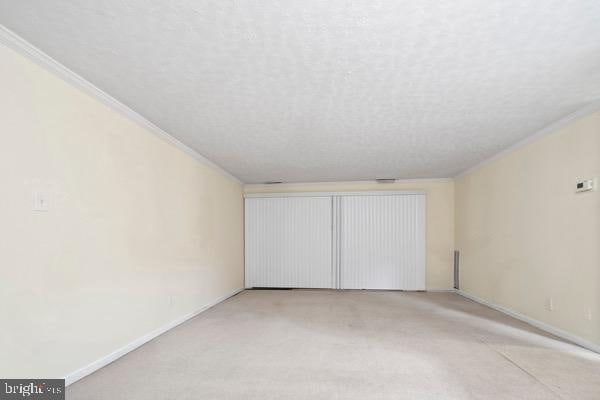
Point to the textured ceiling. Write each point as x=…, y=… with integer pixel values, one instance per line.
x=318, y=90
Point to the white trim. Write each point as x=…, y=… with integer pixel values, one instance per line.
x=20, y=45
x=104, y=361
x=337, y=183
x=329, y=194
x=441, y=290
x=553, y=127
x=25, y=48
x=534, y=322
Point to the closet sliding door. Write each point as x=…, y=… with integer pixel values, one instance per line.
x=288, y=242
x=382, y=242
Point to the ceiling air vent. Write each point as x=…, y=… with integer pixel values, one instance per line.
x=272, y=182
x=385, y=180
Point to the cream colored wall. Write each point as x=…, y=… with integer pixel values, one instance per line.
x=440, y=217
x=525, y=236
x=138, y=233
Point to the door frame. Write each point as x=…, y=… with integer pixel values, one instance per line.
x=328, y=194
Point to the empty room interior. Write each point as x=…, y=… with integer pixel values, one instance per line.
x=300, y=199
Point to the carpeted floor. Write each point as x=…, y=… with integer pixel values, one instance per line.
x=326, y=344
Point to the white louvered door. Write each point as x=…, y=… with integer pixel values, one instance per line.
x=288, y=242
x=382, y=242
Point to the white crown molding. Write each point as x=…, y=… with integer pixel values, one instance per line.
x=28, y=50
x=553, y=127
x=104, y=361
x=25, y=48
x=250, y=186
x=534, y=322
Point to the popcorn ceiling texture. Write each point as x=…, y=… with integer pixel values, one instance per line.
x=281, y=90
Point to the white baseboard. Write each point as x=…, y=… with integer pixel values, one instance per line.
x=534, y=322
x=441, y=290
x=102, y=362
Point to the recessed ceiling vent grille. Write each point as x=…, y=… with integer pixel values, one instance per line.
x=385, y=180
x=272, y=182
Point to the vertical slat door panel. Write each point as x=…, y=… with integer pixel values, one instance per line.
x=288, y=242
x=382, y=242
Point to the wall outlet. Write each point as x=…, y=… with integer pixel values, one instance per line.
x=549, y=304
x=589, y=314
x=171, y=300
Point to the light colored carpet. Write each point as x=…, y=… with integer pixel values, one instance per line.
x=326, y=344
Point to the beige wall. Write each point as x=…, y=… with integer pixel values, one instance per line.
x=525, y=236
x=440, y=218
x=138, y=233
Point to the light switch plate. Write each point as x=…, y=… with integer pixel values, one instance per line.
x=40, y=202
